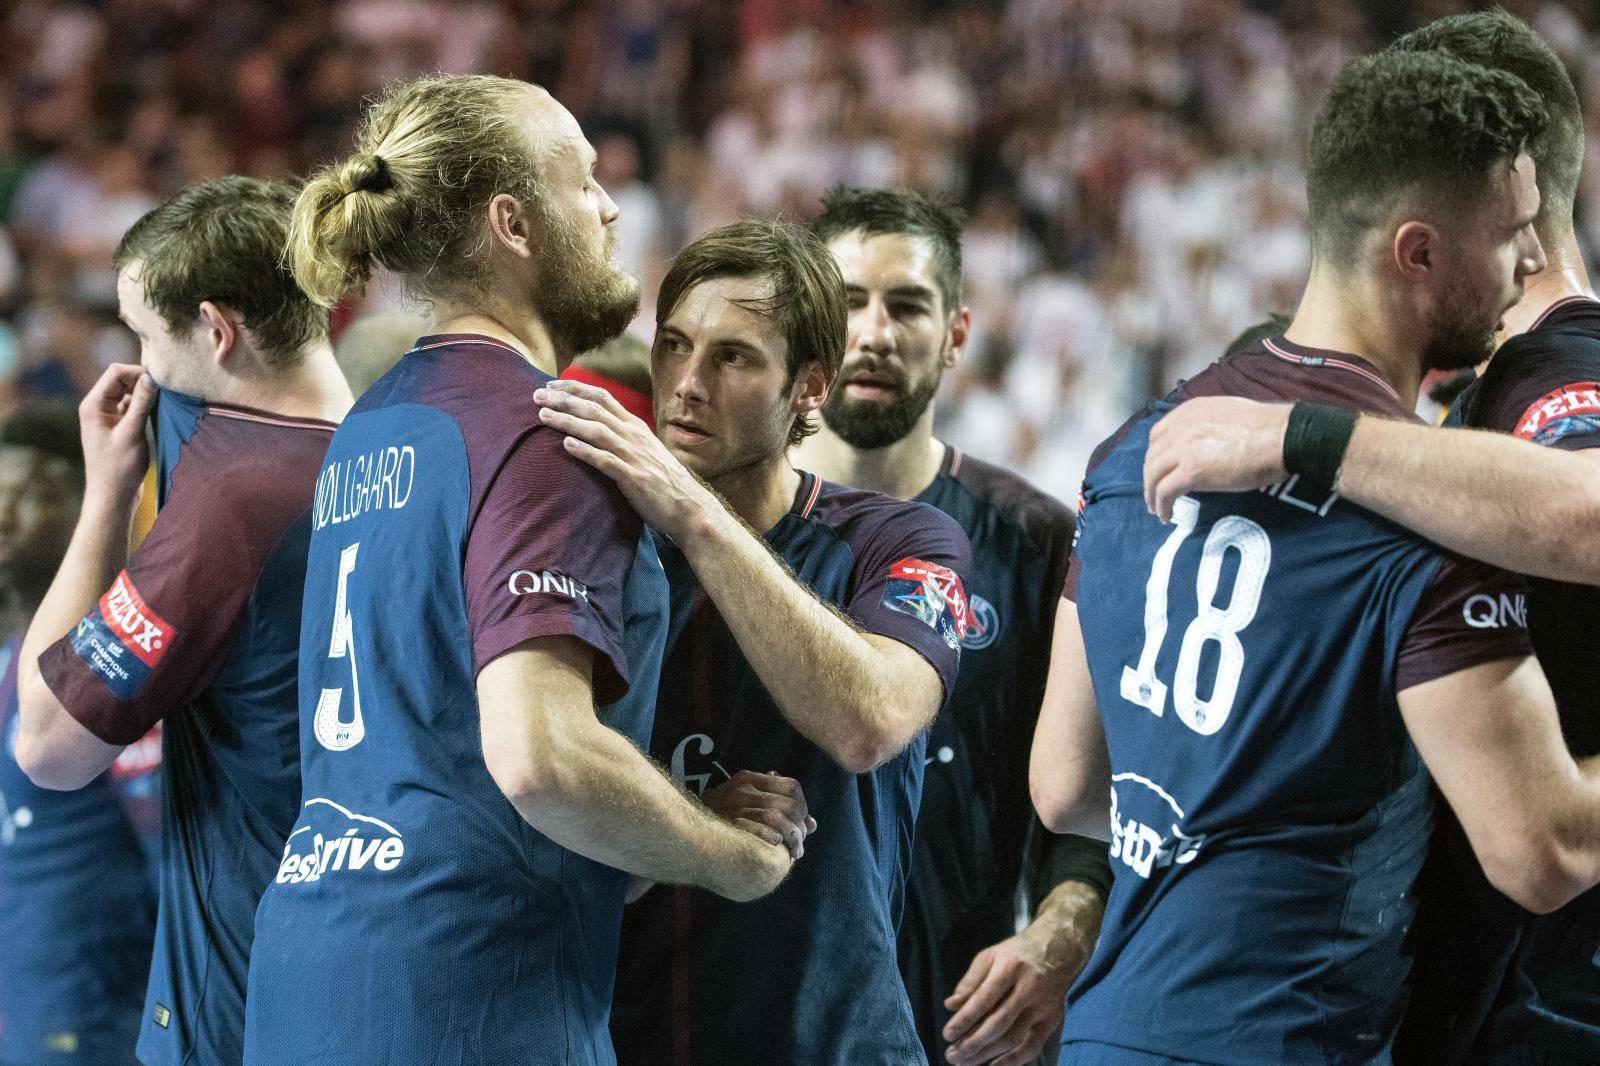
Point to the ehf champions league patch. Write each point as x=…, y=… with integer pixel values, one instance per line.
x=121, y=639
x=929, y=592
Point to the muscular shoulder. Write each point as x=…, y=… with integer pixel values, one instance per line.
x=254, y=469
x=1543, y=386
x=866, y=519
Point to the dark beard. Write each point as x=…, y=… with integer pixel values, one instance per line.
x=870, y=426
x=585, y=300
x=1452, y=344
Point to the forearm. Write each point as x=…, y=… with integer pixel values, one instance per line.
x=1488, y=496
x=829, y=680
x=604, y=800
x=1067, y=924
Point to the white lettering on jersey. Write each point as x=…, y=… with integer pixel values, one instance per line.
x=527, y=582
x=1505, y=611
x=1142, y=848
x=309, y=853
x=1284, y=490
x=381, y=480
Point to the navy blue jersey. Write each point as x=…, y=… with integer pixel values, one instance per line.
x=200, y=631
x=1268, y=810
x=416, y=917
x=1522, y=978
x=806, y=974
x=77, y=912
x=977, y=823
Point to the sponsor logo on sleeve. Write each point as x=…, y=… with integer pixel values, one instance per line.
x=1505, y=610
x=931, y=593
x=546, y=582
x=333, y=841
x=1570, y=411
x=122, y=640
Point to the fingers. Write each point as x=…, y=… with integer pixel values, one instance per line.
x=983, y=1043
x=137, y=404
x=117, y=383
x=788, y=832
x=1027, y=1049
x=978, y=991
x=586, y=401
x=1158, y=463
x=756, y=829
x=787, y=788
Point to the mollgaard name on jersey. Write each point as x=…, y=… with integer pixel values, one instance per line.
x=379, y=480
x=336, y=840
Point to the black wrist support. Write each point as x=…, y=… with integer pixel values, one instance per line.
x=1315, y=441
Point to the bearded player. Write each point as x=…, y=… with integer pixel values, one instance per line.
x=981, y=991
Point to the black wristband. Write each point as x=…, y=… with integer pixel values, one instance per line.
x=1315, y=441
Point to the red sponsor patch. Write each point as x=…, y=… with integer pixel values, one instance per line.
x=937, y=580
x=140, y=629
x=1574, y=398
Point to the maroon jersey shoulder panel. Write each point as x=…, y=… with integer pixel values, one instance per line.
x=156, y=638
x=1470, y=614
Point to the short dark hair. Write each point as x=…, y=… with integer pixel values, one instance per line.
x=50, y=428
x=1399, y=120
x=223, y=240
x=807, y=300
x=1499, y=40
x=876, y=212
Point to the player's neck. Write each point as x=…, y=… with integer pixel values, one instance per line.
x=1565, y=276
x=903, y=469
x=313, y=388
x=521, y=329
x=761, y=493
x=1351, y=316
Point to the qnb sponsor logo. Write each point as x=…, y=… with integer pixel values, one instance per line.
x=380, y=480
x=140, y=629
x=337, y=841
x=1504, y=611
x=528, y=582
x=1143, y=848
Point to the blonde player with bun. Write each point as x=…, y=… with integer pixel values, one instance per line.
x=484, y=619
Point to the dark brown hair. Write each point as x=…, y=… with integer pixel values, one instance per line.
x=807, y=301
x=222, y=240
x=1501, y=41
x=1401, y=122
x=877, y=212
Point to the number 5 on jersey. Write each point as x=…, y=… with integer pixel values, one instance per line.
x=330, y=732
x=1140, y=685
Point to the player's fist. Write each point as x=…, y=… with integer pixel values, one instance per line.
x=1213, y=444
x=112, y=419
x=773, y=808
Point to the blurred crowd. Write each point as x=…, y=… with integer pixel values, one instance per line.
x=1131, y=169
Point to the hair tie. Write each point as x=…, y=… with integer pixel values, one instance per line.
x=371, y=175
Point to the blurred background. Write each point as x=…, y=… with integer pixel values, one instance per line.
x=1131, y=168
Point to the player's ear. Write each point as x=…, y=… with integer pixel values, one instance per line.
x=218, y=332
x=810, y=388
x=960, y=328
x=510, y=226
x=1415, y=250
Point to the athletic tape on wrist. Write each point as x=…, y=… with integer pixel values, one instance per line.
x=1315, y=440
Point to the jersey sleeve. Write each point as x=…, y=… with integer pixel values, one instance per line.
x=1551, y=396
x=156, y=638
x=908, y=586
x=1069, y=582
x=1469, y=614
x=549, y=555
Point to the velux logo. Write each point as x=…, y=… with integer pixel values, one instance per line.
x=140, y=629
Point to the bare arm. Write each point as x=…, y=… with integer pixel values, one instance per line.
x=1069, y=769
x=1488, y=496
x=52, y=747
x=859, y=696
x=1490, y=737
x=587, y=788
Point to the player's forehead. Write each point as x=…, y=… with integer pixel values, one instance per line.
x=726, y=309
x=879, y=261
x=554, y=134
